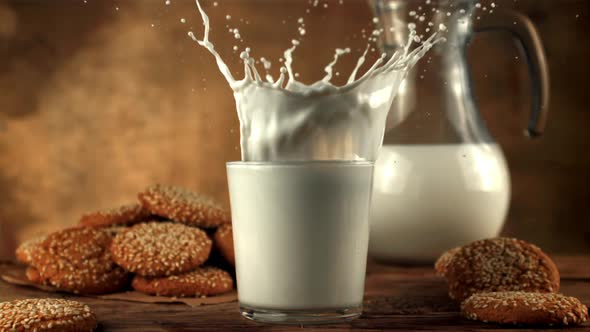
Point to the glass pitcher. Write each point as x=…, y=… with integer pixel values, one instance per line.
x=441, y=181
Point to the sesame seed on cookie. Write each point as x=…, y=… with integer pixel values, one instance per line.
x=184, y=206
x=33, y=276
x=500, y=264
x=203, y=281
x=77, y=260
x=442, y=263
x=121, y=216
x=53, y=315
x=524, y=308
x=157, y=249
x=24, y=251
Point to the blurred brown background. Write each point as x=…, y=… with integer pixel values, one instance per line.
x=100, y=98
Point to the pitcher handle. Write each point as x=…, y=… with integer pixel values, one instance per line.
x=525, y=31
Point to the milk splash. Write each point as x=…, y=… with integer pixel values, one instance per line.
x=283, y=119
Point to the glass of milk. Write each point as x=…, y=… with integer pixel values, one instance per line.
x=300, y=197
x=301, y=233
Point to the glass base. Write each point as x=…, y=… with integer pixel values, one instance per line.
x=300, y=317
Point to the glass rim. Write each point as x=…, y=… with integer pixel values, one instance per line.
x=294, y=163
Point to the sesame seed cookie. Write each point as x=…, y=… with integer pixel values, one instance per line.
x=184, y=206
x=525, y=308
x=77, y=260
x=33, y=276
x=52, y=315
x=500, y=264
x=121, y=216
x=442, y=263
x=158, y=249
x=224, y=242
x=114, y=230
x=203, y=281
x=24, y=251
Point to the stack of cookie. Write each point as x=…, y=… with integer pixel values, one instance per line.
x=508, y=281
x=162, y=245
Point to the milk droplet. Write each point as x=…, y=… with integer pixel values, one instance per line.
x=265, y=63
x=167, y=2
x=235, y=47
x=300, y=20
x=182, y=20
x=412, y=13
x=375, y=20
x=478, y=5
x=228, y=17
x=215, y=4
x=442, y=27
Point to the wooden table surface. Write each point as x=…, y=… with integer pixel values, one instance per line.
x=397, y=298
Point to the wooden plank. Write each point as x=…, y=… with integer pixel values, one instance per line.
x=397, y=298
